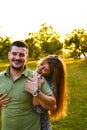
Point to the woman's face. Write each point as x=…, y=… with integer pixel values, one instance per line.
x=44, y=69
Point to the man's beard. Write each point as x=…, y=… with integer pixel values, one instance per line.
x=16, y=68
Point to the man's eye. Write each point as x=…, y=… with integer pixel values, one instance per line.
x=22, y=55
x=14, y=54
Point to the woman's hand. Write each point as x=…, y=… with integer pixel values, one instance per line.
x=32, y=85
x=40, y=81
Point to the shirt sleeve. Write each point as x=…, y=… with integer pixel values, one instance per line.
x=46, y=88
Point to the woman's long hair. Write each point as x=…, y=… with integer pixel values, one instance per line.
x=58, y=77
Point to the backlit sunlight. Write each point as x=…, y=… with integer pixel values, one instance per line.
x=19, y=17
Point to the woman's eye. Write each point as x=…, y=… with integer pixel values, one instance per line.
x=41, y=64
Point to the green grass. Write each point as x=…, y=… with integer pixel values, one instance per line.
x=77, y=85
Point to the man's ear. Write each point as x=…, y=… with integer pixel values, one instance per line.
x=8, y=54
x=27, y=58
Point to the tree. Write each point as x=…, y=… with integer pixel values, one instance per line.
x=4, y=46
x=45, y=41
x=34, y=51
x=49, y=40
x=76, y=42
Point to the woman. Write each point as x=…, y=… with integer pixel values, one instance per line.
x=53, y=69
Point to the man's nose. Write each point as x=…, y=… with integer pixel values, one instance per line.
x=17, y=57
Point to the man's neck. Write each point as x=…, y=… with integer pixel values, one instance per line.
x=14, y=74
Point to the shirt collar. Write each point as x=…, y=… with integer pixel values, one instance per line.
x=26, y=72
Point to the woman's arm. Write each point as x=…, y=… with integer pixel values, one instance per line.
x=46, y=101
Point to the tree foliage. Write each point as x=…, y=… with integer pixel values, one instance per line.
x=4, y=46
x=34, y=50
x=76, y=42
x=45, y=41
x=49, y=40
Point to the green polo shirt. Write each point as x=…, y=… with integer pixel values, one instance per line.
x=18, y=114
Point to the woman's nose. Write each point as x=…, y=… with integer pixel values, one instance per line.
x=40, y=67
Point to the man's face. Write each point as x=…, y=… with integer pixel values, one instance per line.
x=18, y=57
x=44, y=69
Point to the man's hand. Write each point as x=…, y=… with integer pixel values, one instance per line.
x=4, y=100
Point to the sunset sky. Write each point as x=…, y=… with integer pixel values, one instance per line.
x=19, y=17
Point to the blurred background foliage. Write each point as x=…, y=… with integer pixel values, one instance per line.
x=48, y=41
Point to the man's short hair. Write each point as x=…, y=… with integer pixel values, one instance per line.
x=20, y=43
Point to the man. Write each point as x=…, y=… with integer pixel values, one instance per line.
x=16, y=103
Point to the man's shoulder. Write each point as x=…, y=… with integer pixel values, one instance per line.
x=2, y=73
x=29, y=72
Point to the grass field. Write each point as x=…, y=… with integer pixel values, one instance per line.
x=77, y=85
